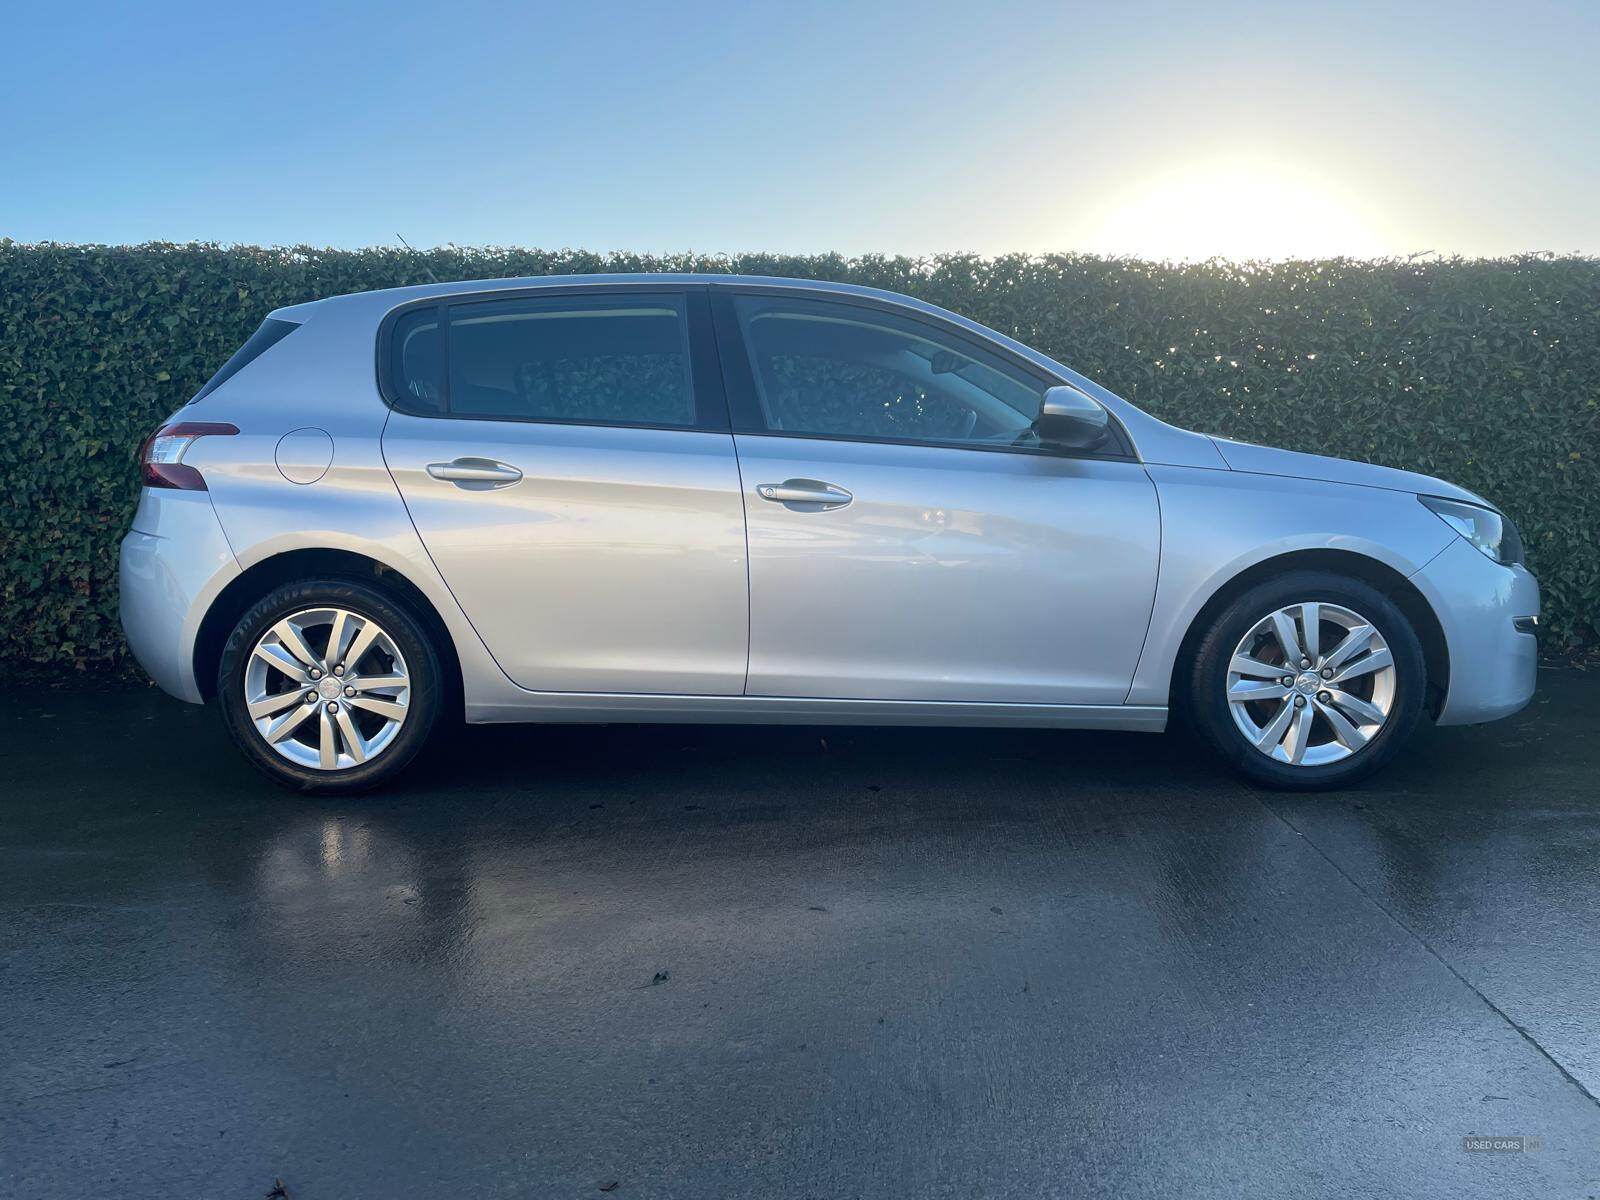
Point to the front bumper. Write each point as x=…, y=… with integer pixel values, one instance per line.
x=173, y=563
x=1493, y=663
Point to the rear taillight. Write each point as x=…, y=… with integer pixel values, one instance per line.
x=161, y=462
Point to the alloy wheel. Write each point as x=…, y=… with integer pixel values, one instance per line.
x=1311, y=684
x=327, y=688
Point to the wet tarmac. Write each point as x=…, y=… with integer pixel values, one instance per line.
x=703, y=962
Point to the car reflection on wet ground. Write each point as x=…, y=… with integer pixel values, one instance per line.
x=700, y=961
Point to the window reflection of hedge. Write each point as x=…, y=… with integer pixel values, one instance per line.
x=638, y=388
x=823, y=394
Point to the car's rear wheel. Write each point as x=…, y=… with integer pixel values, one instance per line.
x=329, y=685
x=1307, y=681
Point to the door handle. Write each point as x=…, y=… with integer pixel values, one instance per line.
x=475, y=474
x=805, y=491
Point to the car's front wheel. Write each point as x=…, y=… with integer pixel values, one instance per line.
x=329, y=685
x=1308, y=680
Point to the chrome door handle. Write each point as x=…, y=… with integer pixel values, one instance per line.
x=804, y=491
x=475, y=474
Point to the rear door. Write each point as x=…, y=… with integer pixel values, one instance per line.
x=909, y=538
x=567, y=461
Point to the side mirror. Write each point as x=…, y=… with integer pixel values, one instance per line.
x=1072, y=419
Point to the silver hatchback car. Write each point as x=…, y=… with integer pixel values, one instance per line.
x=715, y=498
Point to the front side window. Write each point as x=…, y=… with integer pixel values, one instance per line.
x=605, y=360
x=841, y=370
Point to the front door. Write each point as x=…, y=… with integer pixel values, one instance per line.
x=567, y=462
x=908, y=538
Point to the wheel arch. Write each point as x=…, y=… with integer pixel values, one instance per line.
x=1411, y=602
x=291, y=565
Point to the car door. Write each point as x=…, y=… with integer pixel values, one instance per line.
x=566, y=459
x=908, y=537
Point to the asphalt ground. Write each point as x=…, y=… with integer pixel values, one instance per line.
x=795, y=962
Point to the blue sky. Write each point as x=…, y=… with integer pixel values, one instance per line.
x=1176, y=130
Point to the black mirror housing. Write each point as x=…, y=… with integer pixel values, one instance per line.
x=1072, y=419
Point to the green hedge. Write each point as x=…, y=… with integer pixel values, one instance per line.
x=1484, y=372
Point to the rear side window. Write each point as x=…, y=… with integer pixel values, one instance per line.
x=592, y=360
x=618, y=360
x=272, y=332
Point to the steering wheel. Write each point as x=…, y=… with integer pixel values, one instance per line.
x=968, y=425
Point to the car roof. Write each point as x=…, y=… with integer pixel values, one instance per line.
x=385, y=299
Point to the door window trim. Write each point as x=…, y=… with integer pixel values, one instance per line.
x=744, y=406
x=705, y=372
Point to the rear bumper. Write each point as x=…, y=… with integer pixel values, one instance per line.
x=173, y=563
x=1493, y=664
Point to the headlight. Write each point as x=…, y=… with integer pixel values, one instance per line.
x=1486, y=529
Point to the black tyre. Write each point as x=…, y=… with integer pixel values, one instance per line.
x=329, y=685
x=1307, y=709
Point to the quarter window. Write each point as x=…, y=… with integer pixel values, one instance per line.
x=842, y=370
x=417, y=365
x=617, y=360
x=272, y=332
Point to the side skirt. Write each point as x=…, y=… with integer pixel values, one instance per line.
x=602, y=707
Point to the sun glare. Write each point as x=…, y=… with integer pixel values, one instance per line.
x=1238, y=210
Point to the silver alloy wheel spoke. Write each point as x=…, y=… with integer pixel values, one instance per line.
x=292, y=640
x=1354, y=642
x=1375, y=661
x=1329, y=695
x=1298, y=738
x=327, y=746
x=1311, y=630
x=337, y=637
x=1258, y=689
x=1245, y=665
x=1367, y=714
x=357, y=650
x=384, y=708
x=1347, y=734
x=280, y=658
x=1288, y=637
x=1270, y=736
x=353, y=743
x=283, y=727
x=357, y=717
x=276, y=704
x=373, y=683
